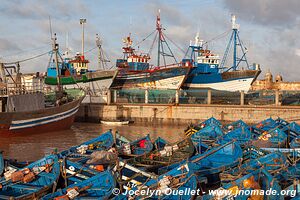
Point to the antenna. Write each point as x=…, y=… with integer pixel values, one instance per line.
x=50, y=28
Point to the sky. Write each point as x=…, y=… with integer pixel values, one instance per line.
x=268, y=28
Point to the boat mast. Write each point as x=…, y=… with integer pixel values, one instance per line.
x=158, y=28
x=82, y=22
x=161, y=42
x=235, y=39
x=55, y=51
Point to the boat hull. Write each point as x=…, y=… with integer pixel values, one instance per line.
x=227, y=81
x=43, y=120
x=166, y=78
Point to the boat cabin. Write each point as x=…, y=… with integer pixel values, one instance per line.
x=131, y=60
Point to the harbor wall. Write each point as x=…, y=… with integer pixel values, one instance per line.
x=184, y=114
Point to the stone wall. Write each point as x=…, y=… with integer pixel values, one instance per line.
x=183, y=114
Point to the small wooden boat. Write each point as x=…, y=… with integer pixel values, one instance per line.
x=179, y=179
x=115, y=123
x=136, y=148
x=99, y=186
x=213, y=161
x=121, y=140
x=129, y=176
x=258, y=180
x=271, y=162
x=292, y=130
x=31, y=182
x=295, y=143
x=171, y=153
x=207, y=135
x=104, y=142
x=272, y=138
x=241, y=134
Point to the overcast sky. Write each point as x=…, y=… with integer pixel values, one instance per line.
x=269, y=28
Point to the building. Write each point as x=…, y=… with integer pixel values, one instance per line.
x=278, y=84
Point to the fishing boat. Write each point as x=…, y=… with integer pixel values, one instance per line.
x=74, y=72
x=36, y=112
x=115, y=123
x=99, y=186
x=129, y=176
x=270, y=162
x=241, y=135
x=206, y=135
x=134, y=70
x=295, y=143
x=171, y=153
x=250, y=186
x=272, y=138
x=136, y=148
x=209, y=72
x=213, y=161
x=178, y=179
x=31, y=182
x=103, y=142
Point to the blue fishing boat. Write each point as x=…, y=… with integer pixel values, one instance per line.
x=209, y=72
x=273, y=138
x=121, y=140
x=207, y=135
x=99, y=186
x=292, y=130
x=171, y=153
x=103, y=142
x=269, y=162
x=267, y=125
x=160, y=143
x=241, y=135
x=251, y=186
x=31, y=182
x=288, y=178
x=181, y=178
x=138, y=147
x=213, y=161
x=295, y=143
x=234, y=125
x=136, y=72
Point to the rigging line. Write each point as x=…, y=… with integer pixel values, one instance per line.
x=19, y=61
x=144, y=38
x=152, y=45
x=218, y=36
x=90, y=50
x=183, y=51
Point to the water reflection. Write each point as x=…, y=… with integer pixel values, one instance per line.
x=34, y=146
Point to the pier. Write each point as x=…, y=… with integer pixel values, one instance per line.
x=177, y=109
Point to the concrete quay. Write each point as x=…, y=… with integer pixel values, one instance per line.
x=184, y=114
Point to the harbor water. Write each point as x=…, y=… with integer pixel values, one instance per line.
x=35, y=146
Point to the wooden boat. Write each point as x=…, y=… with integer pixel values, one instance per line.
x=33, y=111
x=129, y=176
x=271, y=162
x=103, y=142
x=234, y=125
x=292, y=130
x=272, y=138
x=23, y=119
x=214, y=160
x=121, y=140
x=33, y=181
x=115, y=123
x=138, y=147
x=258, y=180
x=207, y=135
x=179, y=179
x=135, y=70
x=170, y=154
x=295, y=143
x=99, y=186
x=241, y=134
